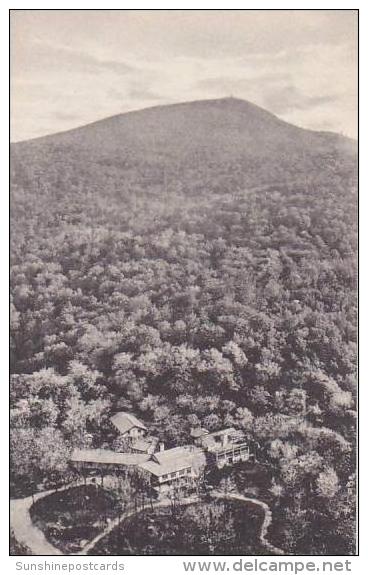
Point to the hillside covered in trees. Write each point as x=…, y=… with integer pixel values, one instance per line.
x=193, y=263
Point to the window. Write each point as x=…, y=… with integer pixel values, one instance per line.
x=164, y=476
x=181, y=472
x=173, y=474
x=189, y=470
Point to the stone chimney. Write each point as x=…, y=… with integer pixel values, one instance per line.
x=161, y=446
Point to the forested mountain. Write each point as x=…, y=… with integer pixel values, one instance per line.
x=193, y=263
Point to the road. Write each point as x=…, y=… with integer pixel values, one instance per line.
x=128, y=513
x=28, y=534
x=216, y=494
x=24, y=529
x=266, y=521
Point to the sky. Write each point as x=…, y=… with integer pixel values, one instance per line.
x=72, y=67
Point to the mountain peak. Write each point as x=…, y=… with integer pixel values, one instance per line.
x=225, y=103
x=220, y=128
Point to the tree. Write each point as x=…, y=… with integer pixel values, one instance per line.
x=327, y=483
x=122, y=489
x=209, y=526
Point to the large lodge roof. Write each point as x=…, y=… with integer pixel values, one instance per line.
x=107, y=457
x=172, y=460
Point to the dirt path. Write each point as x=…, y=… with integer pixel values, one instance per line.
x=266, y=521
x=216, y=494
x=27, y=533
x=24, y=529
x=128, y=513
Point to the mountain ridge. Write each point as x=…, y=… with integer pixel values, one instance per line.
x=241, y=104
x=209, y=146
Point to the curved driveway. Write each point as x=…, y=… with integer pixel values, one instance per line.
x=25, y=530
x=27, y=533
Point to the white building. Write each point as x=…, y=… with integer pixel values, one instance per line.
x=175, y=464
x=224, y=447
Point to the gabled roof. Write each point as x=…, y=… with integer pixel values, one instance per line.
x=107, y=457
x=173, y=460
x=124, y=421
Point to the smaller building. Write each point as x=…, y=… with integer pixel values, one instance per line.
x=177, y=464
x=129, y=426
x=225, y=447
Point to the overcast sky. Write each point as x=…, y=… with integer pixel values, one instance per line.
x=71, y=67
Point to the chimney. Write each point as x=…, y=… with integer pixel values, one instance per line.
x=161, y=446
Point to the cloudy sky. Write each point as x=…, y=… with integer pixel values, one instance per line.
x=71, y=67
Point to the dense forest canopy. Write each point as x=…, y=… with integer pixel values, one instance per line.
x=195, y=264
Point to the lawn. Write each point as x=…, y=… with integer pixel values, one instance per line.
x=71, y=518
x=204, y=528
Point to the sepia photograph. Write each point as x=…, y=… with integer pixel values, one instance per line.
x=183, y=282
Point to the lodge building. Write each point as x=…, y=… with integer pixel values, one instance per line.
x=164, y=466
x=105, y=460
